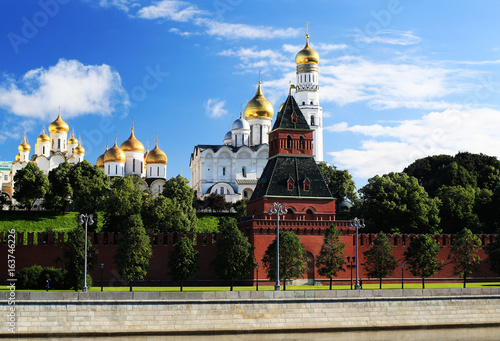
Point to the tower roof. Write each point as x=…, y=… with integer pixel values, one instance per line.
x=115, y=154
x=290, y=116
x=132, y=144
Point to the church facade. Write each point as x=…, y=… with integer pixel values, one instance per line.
x=233, y=168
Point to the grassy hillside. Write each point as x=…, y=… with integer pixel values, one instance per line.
x=38, y=221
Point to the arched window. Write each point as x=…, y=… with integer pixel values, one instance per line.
x=43, y=150
x=307, y=185
x=244, y=171
x=303, y=103
x=289, y=142
x=312, y=120
x=109, y=169
x=245, y=194
x=309, y=211
x=311, y=102
x=158, y=171
x=116, y=169
x=302, y=142
x=260, y=134
x=223, y=171
x=133, y=165
x=290, y=184
x=294, y=117
x=58, y=143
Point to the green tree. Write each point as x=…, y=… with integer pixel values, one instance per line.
x=463, y=253
x=241, y=208
x=339, y=182
x=379, y=261
x=493, y=252
x=58, y=197
x=124, y=199
x=216, y=203
x=292, y=258
x=178, y=190
x=330, y=260
x=457, y=208
x=90, y=187
x=134, y=251
x=161, y=214
x=30, y=184
x=183, y=260
x=422, y=257
x=396, y=203
x=234, y=257
x=74, y=257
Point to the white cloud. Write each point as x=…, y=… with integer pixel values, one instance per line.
x=391, y=37
x=79, y=89
x=214, y=107
x=179, y=32
x=174, y=10
x=392, y=147
x=124, y=5
x=252, y=59
x=237, y=31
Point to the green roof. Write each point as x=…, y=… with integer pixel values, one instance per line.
x=284, y=117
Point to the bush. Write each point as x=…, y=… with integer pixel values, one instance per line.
x=35, y=277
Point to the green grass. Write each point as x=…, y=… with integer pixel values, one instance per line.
x=290, y=287
x=23, y=221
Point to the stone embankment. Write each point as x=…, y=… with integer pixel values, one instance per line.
x=114, y=313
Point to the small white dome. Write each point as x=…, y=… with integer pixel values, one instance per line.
x=241, y=123
x=228, y=136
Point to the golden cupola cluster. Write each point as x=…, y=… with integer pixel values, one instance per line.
x=156, y=156
x=115, y=154
x=58, y=126
x=307, y=54
x=259, y=107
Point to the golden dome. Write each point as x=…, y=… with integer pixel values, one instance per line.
x=259, y=107
x=58, y=126
x=132, y=144
x=156, y=156
x=115, y=154
x=18, y=157
x=24, y=147
x=79, y=150
x=43, y=137
x=307, y=54
x=100, y=161
x=73, y=140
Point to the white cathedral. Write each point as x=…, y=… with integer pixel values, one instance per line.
x=233, y=168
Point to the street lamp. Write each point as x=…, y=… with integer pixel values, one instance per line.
x=277, y=208
x=402, y=275
x=257, y=267
x=357, y=223
x=87, y=219
x=351, y=265
x=102, y=272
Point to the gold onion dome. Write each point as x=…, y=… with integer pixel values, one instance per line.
x=132, y=144
x=73, y=140
x=43, y=137
x=24, y=147
x=79, y=150
x=307, y=54
x=18, y=157
x=115, y=154
x=58, y=126
x=259, y=107
x=100, y=161
x=156, y=156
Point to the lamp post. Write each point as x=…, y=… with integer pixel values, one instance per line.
x=357, y=223
x=102, y=272
x=402, y=275
x=351, y=265
x=87, y=220
x=257, y=267
x=277, y=208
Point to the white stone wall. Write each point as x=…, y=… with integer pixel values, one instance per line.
x=122, y=312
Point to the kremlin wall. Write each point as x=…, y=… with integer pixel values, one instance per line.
x=47, y=250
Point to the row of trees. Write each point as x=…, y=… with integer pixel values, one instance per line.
x=436, y=194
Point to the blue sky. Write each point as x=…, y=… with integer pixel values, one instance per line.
x=399, y=79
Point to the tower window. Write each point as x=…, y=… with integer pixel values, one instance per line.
x=116, y=170
x=58, y=143
x=312, y=120
x=303, y=103
x=260, y=134
x=158, y=171
x=133, y=165
x=307, y=185
x=294, y=117
x=289, y=142
x=245, y=194
x=244, y=172
x=302, y=143
x=223, y=171
x=290, y=184
x=43, y=150
x=311, y=102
